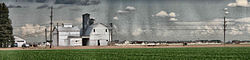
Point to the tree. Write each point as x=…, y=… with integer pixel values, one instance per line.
x=6, y=30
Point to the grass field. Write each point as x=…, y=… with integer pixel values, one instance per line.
x=206, y=53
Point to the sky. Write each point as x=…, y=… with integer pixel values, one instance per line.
x=164, y=20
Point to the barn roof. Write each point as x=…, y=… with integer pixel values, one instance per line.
x=90, y=28
x=18, y=38
x=68, y=29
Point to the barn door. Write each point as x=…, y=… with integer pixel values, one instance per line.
x=98, y=42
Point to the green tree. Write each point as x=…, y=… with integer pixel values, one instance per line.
x=6, y=30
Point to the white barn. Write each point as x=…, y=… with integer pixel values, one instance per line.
x=99, y=35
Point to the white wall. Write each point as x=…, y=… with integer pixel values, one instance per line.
x=75, y=41
x=63, y=37
x=100, y=34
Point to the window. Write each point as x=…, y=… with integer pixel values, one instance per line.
x=106, y=30
x=20, y=41
x=94, y=30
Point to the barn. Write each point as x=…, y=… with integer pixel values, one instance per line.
x=99, y=35
x=94, y=34
x=91, y=34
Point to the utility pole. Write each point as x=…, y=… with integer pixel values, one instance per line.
x=51, y=23
x=224, y=30
x=225, y=25
x=46, y=35
x=57, y=33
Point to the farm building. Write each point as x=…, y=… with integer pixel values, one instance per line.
x=98, y=35
x=19, y=41
x=94, y=34
x=91, y=34
x=65, y=35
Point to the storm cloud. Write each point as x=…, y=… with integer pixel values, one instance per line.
x=78, y=2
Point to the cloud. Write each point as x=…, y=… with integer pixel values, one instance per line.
x=32, y=30
x=173, y=19
x=43, y=6
x=235, y=32
x=46, y=6
x=15, y=6
x=172, y=14
x=130, y=8
x=137, y=32
x=75, y=9
x=235, y=26
x=41, y=1
x=115, y=18
x=239, y=3
x=243, y=20
x=79, y=19
x=78, y=2
x=162, y=14
x=61, y=6
x=122, y=11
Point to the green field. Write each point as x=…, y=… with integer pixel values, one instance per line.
x=215, y=53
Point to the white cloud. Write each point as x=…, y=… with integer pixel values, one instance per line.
x=173, y=19
x=162, y=14
x=232, y=4
x=122, y=11
x=32, y=30
x=235, y=32
x=130, y=8
x=248, y=30
x=235, y=26
x=172, y=14
x=241, y=3
x=79, y=19
x=245, y=20
x=137, y=32
x=115, y=18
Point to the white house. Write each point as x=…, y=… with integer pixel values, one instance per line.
x=19, y=41
x=99, y=35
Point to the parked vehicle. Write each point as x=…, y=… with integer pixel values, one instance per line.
x=26, y=45
x=14, y=45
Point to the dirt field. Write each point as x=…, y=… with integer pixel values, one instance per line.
x=114, y=47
